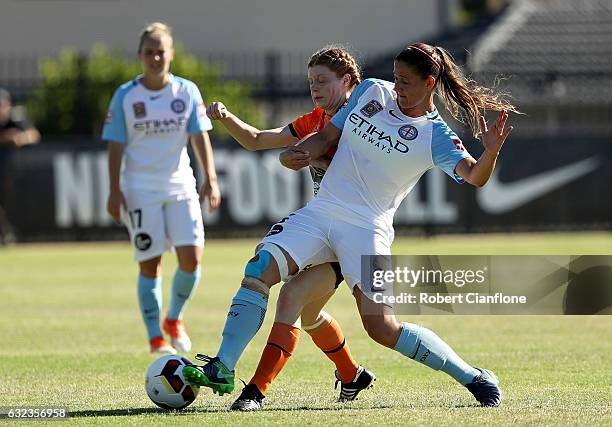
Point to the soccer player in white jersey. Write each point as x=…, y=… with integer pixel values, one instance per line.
x=332, y=74
x=149, y=122
x=388, y=135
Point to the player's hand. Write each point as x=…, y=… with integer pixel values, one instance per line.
x=494, y=138
x=216, y=111
x=321, y=162
x=210, y=191
x=10, y=138
x=294, y=157
x=115, y=201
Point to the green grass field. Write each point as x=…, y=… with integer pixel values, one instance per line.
x=72, y=337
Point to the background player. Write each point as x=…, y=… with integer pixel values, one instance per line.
x=15, y=132
x=149, y=122
x=332, y=75
x=388, y=135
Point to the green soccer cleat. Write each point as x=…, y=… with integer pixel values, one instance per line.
x=214, y=375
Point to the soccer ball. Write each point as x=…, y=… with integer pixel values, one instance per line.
x=165, y=384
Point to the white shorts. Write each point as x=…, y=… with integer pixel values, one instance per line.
x=158, y=221
x=312, y=237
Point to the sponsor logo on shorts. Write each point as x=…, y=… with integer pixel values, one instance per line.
x=139, y=109
x=276, y=228
x=408, y=132
x=178, y=106
x=109, y=117
x=371, y=108
x=142, y=241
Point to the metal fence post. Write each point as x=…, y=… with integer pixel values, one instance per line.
x=272, y=82
x=81, y=120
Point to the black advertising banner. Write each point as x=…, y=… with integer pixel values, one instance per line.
x=59, y=191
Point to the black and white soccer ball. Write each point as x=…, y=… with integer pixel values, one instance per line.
x=165, y=384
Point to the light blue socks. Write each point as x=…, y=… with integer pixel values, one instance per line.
x=150, y=301
x=183, y=286
x=245, y=316
x=424, y=346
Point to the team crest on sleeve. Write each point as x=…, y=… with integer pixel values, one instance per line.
x=458, y=144
x=139, y=110
x=201, y=109
x=371, y=108
x=178, y=106
x=408, y=132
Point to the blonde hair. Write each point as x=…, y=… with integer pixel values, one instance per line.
x=156, y=29
x=339, y=60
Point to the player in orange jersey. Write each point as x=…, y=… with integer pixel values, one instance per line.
x=332, y=74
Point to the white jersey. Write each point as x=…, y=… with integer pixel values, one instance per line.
x=381, y=155
x=155, y=128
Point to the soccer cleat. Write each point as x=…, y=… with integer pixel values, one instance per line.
x=160, y=346
x=485, y=388
x=178, y=336
x=214, y=375
x=363, y=380
x=249, y=400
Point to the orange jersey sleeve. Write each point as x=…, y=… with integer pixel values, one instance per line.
x=309, y=123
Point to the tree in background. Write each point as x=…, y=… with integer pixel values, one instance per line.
x=75, y=90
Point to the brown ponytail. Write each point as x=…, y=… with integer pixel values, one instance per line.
x=462, y=97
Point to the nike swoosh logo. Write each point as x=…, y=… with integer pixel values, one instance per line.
x=398, y=118
x=498, y=198
x=153, y=98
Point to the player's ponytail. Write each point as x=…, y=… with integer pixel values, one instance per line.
x=462, y=97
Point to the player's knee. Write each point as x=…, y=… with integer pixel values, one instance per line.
x=258, y=266
x=151, y=268
x=382, y=330
x=312, y=319
x=188, y=258
x=290, y=300
x=189, y=265
x=256, y=285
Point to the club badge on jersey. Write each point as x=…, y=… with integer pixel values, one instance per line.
x=371, y=108
x=408, y=132
x=140, y=111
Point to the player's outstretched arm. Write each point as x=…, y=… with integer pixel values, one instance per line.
x=478, y=172
x=312, y=148
x=249, y=136
x=204, y=154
